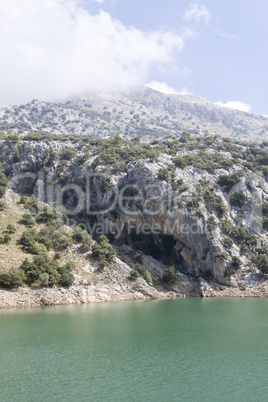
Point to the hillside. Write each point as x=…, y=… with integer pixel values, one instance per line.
x=140, y=112
x=185, y=216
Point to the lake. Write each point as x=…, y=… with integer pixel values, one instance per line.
x=168, y=350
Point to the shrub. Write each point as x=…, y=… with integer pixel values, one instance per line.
x=236, y=262
x=68, y=154
x=11, y=228
x=18, y=279
x=212, y=223
x=27, y=240
x=163, y=174
x=179, y=162
x=44, y=279
x=251, y=241
x=228, y=242
x=261, y=259
x=138, y=258
x=66, y=280
x=262, y=263
x=134, y=275
x=10, y=280
x=235, y=232
x=82, y=236
x=13, y=138
x=27, y=220
x=144, y=272
x=3, y=182
x=38, y=248
x=61, y=239
x=47, y=272
x=234, y=266
x=103, y=250
x=44, y=240
x=237, y=199
x=5, y=239
x=214, y=202
x=5, y=280
x=169, y=275
x=228, y=181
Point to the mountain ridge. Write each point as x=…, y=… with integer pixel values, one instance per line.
x=141, y=112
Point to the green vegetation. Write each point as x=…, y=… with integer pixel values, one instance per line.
x=9, y=280
x=234, y=232
x=81, y=236
x=46, y=271
x=103, y=251
x=169, y=275
x=234, y=266
x=49, y=237
x=112, y=156
x=260, y=258
x=204, y=161
x=228, y=242
x=134, y=275
x=3, y=182
x=43, y=271
x=68, y=154
x=163, y=174
x=144, y=272
x=238, y=199
x=229, y=180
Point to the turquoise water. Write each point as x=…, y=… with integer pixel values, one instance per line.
x=173, y=350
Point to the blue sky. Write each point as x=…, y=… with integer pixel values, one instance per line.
x=212, y=48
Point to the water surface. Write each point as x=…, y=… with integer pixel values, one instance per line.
x=172, y=350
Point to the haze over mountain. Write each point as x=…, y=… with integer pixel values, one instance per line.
x=141, y=112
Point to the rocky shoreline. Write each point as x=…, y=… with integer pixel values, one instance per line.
x=37, y=297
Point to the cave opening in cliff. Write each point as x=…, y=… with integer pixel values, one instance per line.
x=161, y=246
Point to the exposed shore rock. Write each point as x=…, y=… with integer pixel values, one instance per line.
x=35, y=297
x=139, y=290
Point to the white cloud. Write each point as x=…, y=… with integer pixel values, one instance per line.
x=197, y=13
x=237, y=105
x=228, y=36
x=166, y=89
x=52, y=49
x=265, y=115
x=99, y=1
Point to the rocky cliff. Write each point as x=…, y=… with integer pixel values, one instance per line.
x=197, y=204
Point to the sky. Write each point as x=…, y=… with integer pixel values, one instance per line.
x=54, y=49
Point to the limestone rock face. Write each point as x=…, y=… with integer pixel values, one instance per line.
x=172, y=223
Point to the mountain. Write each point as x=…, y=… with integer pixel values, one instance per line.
x=141, y=112
x=186, y=217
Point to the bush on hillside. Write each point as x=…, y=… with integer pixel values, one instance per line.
x=169, y=275
x=103, y=250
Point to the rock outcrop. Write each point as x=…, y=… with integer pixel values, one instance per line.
x=164, y=205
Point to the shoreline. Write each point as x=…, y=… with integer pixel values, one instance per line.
x=39, y=297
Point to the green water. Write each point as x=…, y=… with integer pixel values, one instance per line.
x=174, y=350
